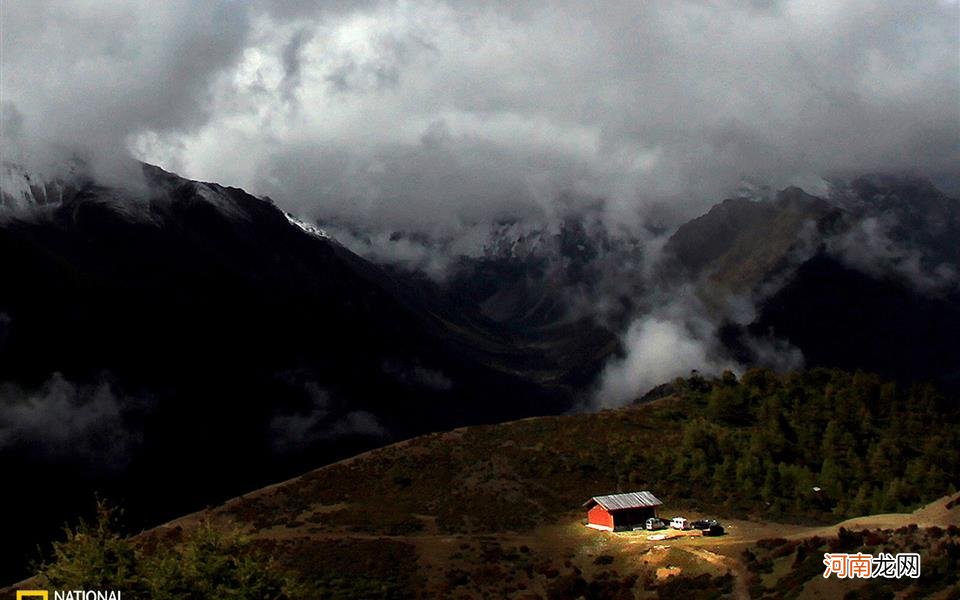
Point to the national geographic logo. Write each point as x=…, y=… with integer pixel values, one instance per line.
x=69, y=595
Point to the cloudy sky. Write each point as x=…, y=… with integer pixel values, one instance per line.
x=426, y=115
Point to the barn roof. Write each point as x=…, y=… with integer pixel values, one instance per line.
x=623, y=501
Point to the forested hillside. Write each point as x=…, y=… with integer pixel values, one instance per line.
x=766, y=442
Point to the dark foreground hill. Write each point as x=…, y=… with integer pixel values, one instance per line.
x=495, y=510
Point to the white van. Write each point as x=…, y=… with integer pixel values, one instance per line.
x=679, y=523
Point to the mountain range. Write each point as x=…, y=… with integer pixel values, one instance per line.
x=172, y=343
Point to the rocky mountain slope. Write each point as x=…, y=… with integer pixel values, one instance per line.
x=866, y=278
x=178, y=341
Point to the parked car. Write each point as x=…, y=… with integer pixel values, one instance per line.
x=714, y=530
x=703, y=523
x=699, y=524
x=679, y=523
x=654, y=523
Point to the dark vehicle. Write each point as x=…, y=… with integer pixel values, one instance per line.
x=702, y=523
x=714, y=530
x=654, y=523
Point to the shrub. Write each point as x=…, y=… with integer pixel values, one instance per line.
x=94, y=555
x=205, y=563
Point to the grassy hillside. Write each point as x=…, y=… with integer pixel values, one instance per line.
x=495, y=510
x=755, y=447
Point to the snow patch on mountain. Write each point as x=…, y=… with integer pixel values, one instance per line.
x=307, y=227
x=21, y=188
x=14, y=187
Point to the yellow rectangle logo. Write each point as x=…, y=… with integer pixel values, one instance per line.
x=33, y=595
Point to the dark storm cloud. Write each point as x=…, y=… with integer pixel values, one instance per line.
x=87, y=75
x=465, y=111
x=871, y=246
x=320, y=419
x=416, y=375
x=93, y=424
x=293, y=62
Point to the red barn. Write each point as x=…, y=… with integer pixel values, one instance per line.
x=621, y=511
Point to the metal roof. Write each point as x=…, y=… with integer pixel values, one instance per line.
x=627, y=500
